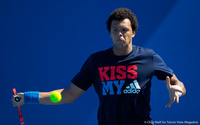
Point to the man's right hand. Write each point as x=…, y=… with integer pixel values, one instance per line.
x=21, y=102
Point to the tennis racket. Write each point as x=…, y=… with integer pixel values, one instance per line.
x=17, y=99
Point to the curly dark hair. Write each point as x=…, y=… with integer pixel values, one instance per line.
x=121, y=14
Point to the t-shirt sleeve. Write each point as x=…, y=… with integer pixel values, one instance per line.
x=84, y=78
x=160, y=68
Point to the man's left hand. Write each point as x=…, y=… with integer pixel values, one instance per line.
x=172, y=93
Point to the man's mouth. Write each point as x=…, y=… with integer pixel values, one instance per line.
x=120, y=39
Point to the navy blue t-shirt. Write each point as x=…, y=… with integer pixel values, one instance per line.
x=122, y=83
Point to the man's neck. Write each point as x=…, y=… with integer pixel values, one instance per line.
x=122, y=51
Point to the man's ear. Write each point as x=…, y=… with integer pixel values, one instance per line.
x=133, y=34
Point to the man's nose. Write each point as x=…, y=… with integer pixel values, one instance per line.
x=120, y=33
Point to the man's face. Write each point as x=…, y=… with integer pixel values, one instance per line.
x=121, y=33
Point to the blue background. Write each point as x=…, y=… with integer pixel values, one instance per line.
x=43, y=44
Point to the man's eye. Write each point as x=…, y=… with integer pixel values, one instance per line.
x=114, y=30
x=124, y=30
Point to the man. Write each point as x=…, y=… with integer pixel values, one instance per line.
x=121, y=76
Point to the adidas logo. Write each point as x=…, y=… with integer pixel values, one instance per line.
x=133, y=87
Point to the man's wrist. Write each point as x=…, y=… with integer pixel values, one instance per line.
x=31, y=97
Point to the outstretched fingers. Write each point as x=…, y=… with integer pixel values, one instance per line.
x=177, y=98
x=172, y=99
x=168, y=82
x=173, y=92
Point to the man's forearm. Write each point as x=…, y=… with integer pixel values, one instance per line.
x=45, y=97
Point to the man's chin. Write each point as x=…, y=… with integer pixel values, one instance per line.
x=120, y=46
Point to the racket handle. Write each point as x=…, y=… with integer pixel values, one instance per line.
x=16, y=99
x=14, y=91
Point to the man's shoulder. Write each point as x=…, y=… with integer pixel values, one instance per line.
x=143, y=50
x=101, y=53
